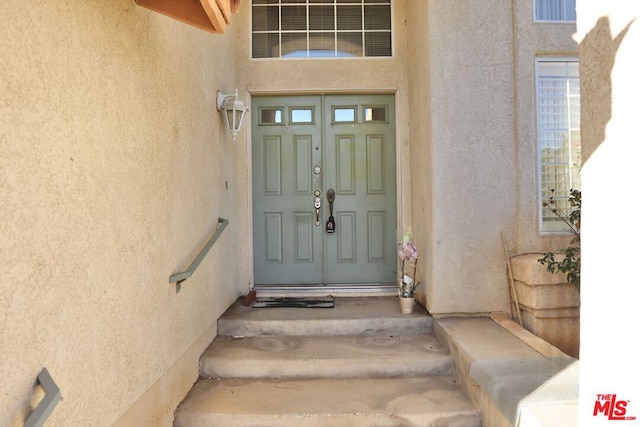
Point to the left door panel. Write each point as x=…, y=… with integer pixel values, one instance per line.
x=286, y=162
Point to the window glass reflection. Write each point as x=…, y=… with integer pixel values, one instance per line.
x=301, y=115
x=344, y=115
x=375, y=114
x=271, y=116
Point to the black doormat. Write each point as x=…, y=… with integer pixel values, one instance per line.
x=297, y=302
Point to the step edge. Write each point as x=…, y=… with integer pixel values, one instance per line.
x=320, y=328
x=462, y=418
x=306, y=369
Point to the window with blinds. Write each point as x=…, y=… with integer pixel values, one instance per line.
x=555, y=10
x=558, y=120
x=321, y=28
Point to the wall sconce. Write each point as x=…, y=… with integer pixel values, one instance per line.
x=233, y=111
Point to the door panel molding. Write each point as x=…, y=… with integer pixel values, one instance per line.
x=273, y=237
x=272, y=166
x=347, y=249
x=345, y=164
x=303, y=164
x=375, y=164
x=304, y=236
x=377, y=248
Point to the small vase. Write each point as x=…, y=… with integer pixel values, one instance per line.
x=406, y=304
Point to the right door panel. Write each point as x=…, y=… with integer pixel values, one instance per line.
x=359, y=158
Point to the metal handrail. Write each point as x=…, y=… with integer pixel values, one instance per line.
x=51, y=398
x=181, y=277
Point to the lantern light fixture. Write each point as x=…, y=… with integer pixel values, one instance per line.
x=233, y=110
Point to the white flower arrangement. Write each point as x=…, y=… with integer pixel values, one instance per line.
x=408, y=253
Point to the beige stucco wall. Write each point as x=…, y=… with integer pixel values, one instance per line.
x=532, y=40
x=472, y=154
x=473, y=136
x=420, y=144
x=113, y=163
x=609, y=37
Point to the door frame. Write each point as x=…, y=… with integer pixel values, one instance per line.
x=322, y=289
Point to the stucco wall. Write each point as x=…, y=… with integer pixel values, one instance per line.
x=609, y=38
x=532, y=40
x=420, y=143
x=473, y=153
x=113, y=162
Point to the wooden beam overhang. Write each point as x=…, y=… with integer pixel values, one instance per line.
x=209, y=15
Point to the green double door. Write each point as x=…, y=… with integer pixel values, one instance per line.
x=317, y=157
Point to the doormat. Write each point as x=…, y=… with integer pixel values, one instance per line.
x=297, y=302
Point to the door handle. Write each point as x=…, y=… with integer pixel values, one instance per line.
x=331, y=197
x=331, y=222
x=317, y=204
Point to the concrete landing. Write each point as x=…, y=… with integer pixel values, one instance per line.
x=350, y=316
x=426, y=401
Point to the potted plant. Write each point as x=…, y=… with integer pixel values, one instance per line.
x=408, y=283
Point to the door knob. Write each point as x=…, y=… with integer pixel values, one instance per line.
x=331, y=196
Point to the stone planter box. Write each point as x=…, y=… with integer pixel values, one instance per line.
x=550, y=307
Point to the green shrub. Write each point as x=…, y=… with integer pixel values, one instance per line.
x=570, y=264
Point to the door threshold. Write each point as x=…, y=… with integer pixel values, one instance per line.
x=347, y=290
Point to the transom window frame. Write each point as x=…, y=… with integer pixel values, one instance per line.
x=566, y=5
x=315, y=54
x=281, y=115
x=548, y=223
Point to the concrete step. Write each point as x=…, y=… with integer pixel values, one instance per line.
x=325, y=356
x=350, y=316
x=409, y=401
x=361, y=363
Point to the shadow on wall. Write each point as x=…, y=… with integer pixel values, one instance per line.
x=599, y=42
